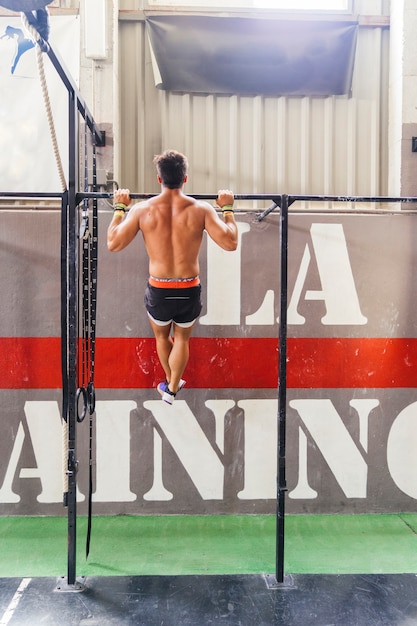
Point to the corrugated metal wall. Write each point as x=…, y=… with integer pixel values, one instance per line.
x=335, y=145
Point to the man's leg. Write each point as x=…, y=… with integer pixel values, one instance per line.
x=178, y=357
x=164, y=345
x=173, y=354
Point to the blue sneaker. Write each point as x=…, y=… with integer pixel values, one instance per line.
x=167, y=395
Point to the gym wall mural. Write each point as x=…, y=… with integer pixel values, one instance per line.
x=351, y=374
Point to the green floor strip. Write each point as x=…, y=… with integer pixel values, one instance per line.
x=175, y=545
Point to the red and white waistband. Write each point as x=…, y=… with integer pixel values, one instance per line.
x=174, y=283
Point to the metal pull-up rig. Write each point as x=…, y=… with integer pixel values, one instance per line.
x=71, y=197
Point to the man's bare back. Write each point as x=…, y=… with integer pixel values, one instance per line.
x=172, y=226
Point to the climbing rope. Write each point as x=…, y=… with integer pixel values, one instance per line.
x=41, y=45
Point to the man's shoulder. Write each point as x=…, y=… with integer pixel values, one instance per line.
x=200, y=204
x=142, y=204
x=139, y=208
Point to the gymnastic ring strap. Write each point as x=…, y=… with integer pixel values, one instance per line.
x=91, y=398
x=81, y=391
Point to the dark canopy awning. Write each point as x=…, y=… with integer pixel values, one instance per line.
x=248, y=56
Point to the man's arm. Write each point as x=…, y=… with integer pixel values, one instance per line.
x=123, y=227
x=224, y=233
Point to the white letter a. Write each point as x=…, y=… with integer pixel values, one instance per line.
x=338, y=286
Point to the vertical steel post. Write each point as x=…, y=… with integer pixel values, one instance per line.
x=282, y=389
x=72, y=333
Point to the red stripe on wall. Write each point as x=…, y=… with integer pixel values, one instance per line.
x=34, y=363
x=30, y=362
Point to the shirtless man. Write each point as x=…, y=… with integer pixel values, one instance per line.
x=172, y=226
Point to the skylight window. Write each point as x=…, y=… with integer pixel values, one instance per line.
x=286, y=5
x=305, y=5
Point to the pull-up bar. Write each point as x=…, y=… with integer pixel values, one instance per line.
x=267, y=196
x=274, y=197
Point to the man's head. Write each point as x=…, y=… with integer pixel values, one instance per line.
x=171, y=167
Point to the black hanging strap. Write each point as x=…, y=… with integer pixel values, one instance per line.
x=93, y=315
x=88, y=238
x=64, y=327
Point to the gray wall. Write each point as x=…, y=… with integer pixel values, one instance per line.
x=351, y=374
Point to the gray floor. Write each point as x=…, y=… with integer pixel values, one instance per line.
x=313, y=600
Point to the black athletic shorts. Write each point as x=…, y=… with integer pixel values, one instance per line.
x=165, y=305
